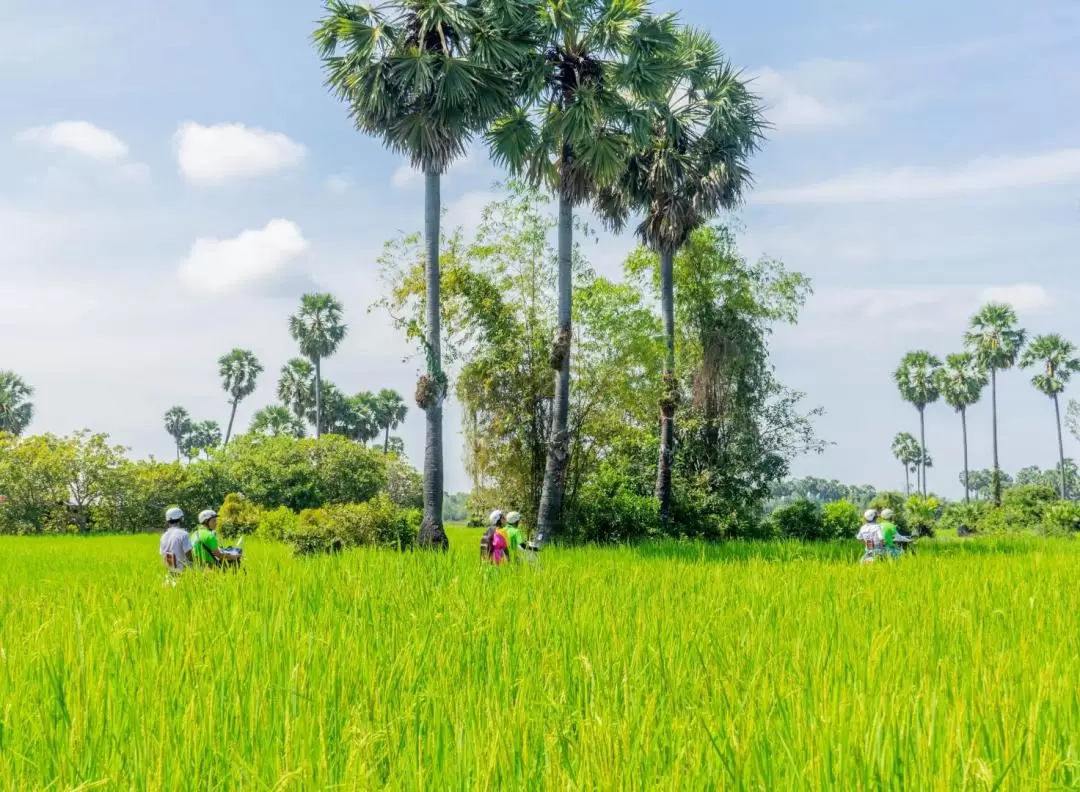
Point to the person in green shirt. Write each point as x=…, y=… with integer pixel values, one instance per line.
x=515, y=539
x=204, y=541
x=891, y=534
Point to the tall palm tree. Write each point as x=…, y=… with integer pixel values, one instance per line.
x=906, y=450
x=961, y=382
x=204, y=435
x=425, y=76
x=917, y=381
x=276, y=421
x=996, y=342
x=239, y=371
x=318, y=329
x=581, y=114
x=178, y=425
x=702, y=133
x=1058, y=361
x=16, y=409
x=295, y=387
x=390, y=410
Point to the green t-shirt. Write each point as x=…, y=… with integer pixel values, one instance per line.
x=514, y=538
x=203, y=543
x=888, y=533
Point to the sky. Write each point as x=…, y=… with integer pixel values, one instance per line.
x=174, y=176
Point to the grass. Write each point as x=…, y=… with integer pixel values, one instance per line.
x=775, y=666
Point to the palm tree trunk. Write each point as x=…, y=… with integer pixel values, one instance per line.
x=386, y=442
x=432, y=534
x=232, y=417
x=907, y=480
x=551, y=497
x=922, y=446
x=967, y=473
x=669, y=399
x=178, y=449
x=993, y=410
x=318, y=398
x=1061, y=449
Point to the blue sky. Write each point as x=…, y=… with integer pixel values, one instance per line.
x=172, y=178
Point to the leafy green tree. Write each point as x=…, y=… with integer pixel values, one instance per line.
x=276, y=421
x=319, y=330
x=239, y=371
x=581, y=112
x=296, y=387
x=906, y=450
x=390, y=411
x=16, y=409
x=1058, y=361
x=178, y=425
x=425, y=76
x=702, y=134
x=917, y=380
x=996, y=342
x=201, y=438
x=961, y=382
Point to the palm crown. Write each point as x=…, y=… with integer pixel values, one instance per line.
x=239, y=371
x=906, y=448
x=16, y=410
x=994, y=338
x=295, y=384
x=1058, y=360
x=961, y=380
x=916, y=378
x=317, y=326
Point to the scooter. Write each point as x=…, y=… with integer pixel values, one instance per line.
x=233, y=556
x=904, y=545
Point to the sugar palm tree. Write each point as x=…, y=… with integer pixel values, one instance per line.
x=996, y=342
x=425, y=76
x=16, y=409
x=390, y=410
x=203, y=436
x=702, y=133
x=178, y=425
x=916, y=380
x=581, y=114
x=319, y=330
x=295, y=387
x=276, y=421
x=906, y=450
x=239, y=371
x=1057, y=360
x=961, y=382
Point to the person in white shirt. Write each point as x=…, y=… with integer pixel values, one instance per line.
x=870, y=533
x=175, y=545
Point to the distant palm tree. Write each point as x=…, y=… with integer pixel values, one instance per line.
x=16, y=409
x=276, y=421
x=239, y=371
x=961, y=382
x=1058, y=360
x=906, y=450
x=916, y=379
x=702, y=133
x=295, y=388
x=390, y=410
x=319, y=330
x=204, y=435
x=178, y=425
x=996, y=342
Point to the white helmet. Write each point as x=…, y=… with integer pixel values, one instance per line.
x=887, y=514
x=174, y=515
x=496, y=517
x=513, y=518
x=870, y=515
x=206, y=516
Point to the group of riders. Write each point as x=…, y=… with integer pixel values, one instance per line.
x=200, y=548
x=880, y=535
x=503, y=541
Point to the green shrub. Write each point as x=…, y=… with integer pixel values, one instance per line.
x=376, y=523
x=922, y=514
x=276, y=524
x=1061, y=518
x=1030, y=502
x=619, y=517
x=238, y=516
x=841, y=519
x=802, y=519
x=968, y=515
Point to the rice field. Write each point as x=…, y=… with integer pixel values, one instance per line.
x=664, y=667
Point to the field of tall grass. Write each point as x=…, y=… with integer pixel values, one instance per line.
x=664, y=667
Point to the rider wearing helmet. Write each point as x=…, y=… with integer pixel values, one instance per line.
x=204, y=540
x=870, y=533
x=890, y=533
x=493, y=543
x=514, y=537
x=175, y=547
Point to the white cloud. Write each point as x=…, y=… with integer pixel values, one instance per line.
x=405, y=175
x=815, y=93
x=131, y=173
x=81, y=137
x=254, y=259
x=906, y=184
x=210, y=155
x=1024, y=297
x=338, y=183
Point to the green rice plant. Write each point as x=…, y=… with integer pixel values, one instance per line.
x=757, y=666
